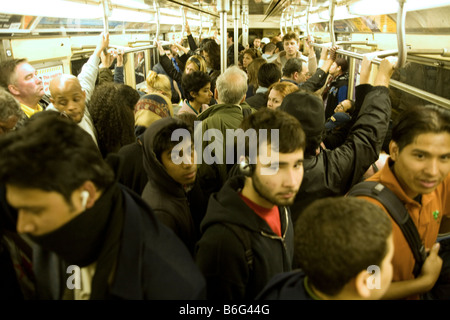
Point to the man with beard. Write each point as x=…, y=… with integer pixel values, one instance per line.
x=247, y=232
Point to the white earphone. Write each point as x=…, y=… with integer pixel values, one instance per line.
x=84, y=198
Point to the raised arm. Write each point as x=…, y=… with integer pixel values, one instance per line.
x=118, y=69
x=89, y=71
x=318, y=79
x=312, y=60
x=363, y=145
x=167, y=65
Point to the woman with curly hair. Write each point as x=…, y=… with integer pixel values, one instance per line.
x=210, y=50
x=111, y=108
x=197, y=88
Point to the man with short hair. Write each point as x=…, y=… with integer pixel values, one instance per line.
x=291, y=43
x=247, y=232
x=325, y=234
x=172, y=172
x=295, y=71
x=69, y=203
x=257, y=44
x=417, y=171
x=268, y=52
x=21, y=80
x=230, y=91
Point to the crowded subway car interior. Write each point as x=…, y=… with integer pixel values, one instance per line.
x=175, y=63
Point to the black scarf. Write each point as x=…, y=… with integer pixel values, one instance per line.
x=93, y=236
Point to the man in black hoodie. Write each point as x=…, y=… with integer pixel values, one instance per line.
x=105, y=236
x=247, y=232
x=172, y=173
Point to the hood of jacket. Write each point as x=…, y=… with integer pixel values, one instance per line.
x=155, y=170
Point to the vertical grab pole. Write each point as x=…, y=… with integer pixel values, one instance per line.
x=308, y=31
x=223, y=7
x=401, y=15
x=183, y=16
x=245, y=23
x=331, y=22
x=236, y=9
x=292, y=18
x=106, y=12
x=156, y=6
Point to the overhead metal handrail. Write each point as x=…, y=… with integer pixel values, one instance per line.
x=394, y=83
x=444, y=52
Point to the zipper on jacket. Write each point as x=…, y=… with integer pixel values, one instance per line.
x=275, y=237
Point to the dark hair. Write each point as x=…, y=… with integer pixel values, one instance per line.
x=7, y=71
x=268, y=73
x=252, y=72
x=187, y=117
x=162, y=140
x=352, y=108
x=289, y=36
x=343, y=63
x=254, y=53
x=336, y=238
x=194, y=81
x=291, y=136
x=111, y=107
x=63, y=155
x=418, y=120
x=269, y=47
x=291, y=66
x=213, y=51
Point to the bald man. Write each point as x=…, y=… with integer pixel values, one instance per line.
x=70, y=94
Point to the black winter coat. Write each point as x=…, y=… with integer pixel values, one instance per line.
x=221, y=256
x=333, y=172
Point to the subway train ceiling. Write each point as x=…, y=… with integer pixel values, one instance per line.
x=25, y=18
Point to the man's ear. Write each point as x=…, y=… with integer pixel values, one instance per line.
x=361, y=284
x=393, y=150
x=13, y=90
x=216, y=94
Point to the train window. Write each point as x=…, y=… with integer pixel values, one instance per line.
x=77, y=63
x=47, y=71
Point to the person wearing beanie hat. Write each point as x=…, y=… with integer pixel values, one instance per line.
x=333, y=172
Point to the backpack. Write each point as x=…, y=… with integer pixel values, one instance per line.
x=398, y=212
x=244, y=238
